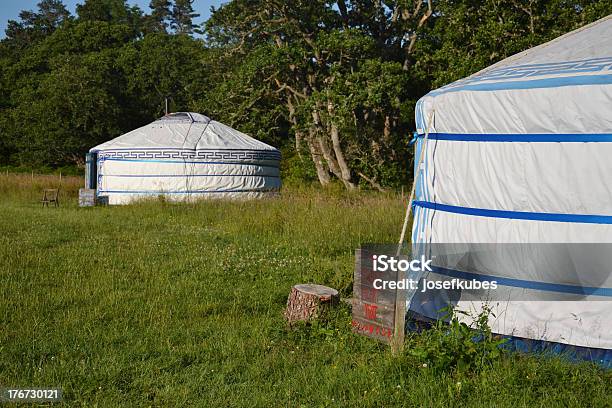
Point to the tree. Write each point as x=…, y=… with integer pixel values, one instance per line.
x=37, y=25
x=347, y=73
x=89, y=80
x=66, y=94
x=181, y=19
x=72, y=109
x=162, y=66
x=236, y=93
x=314, y=50
x=465, y=36
x=112, y=11
x=332, y=82
x=157, y=21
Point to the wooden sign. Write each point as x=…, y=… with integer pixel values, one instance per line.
x=375, y=311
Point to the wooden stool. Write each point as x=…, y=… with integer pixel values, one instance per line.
x=50, y=195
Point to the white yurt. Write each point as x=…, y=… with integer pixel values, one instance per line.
x=183, y=156
x=521, y=153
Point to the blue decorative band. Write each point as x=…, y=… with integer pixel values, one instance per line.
x=517, y=137
x=199, y=149
x=601, y=356
x=576, y=80
x=190, y=154
x=259, y=164
x=188, y=175
x=525, y=284
x=531, y=75
x=268, y=190
x=517, y=215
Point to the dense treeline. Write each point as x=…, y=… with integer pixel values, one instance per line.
x=333, y=83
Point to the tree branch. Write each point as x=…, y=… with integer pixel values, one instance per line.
x=372, y=182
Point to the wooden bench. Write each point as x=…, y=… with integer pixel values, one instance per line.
x=50, y=195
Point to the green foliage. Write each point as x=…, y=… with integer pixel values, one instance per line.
x=373, y=89
x=452, y=344
x=241, y=97
x=162, y=66
x=296, y=168
x=157, y=21
x=90, y=80
x=71, y=101
x=466, y=36
x=181, y=18
x=332, y=83
x=35, y=26
x=82, y=37
x=111, y=11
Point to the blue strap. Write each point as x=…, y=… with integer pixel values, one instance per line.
x=415, y=136
x=525, y=284
x=518, y=137
x=517, y=215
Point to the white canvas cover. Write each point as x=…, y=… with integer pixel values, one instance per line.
x=185, y=156
x=521, y=152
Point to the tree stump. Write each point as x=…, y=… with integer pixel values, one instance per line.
x=307, y=301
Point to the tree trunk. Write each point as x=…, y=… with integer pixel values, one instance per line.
x=389, y=125
x=322, y=173
x=387, y=129
x=335, y=137
x=298, y=142
x=412, y=37
x=332, y=164
x=293, y=120
x=308, y=301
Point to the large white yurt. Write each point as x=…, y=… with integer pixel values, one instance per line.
x=521, y=153
x=183, y=156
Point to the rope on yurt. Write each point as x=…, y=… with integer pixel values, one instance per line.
x=414, y=181
x=399, y=322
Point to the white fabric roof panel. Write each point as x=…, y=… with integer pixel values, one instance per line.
x=194, y=131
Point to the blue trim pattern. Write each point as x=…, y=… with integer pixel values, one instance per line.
x=517, y=215
x=268, y=190
x=182, y=148
x=189, y=175
x=217, y=155
x=259, y=164
x=529, y=76
x=521, y=137
x=536, y=83
x=548, y=68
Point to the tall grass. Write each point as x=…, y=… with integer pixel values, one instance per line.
x=28, y=187
x=159, y=304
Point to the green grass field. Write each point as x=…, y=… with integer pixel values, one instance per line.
x=181, y=305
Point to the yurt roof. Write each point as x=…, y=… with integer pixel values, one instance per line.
x=184, y=130
x=582, y=55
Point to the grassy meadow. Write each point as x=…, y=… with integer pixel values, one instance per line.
x=159, y=304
